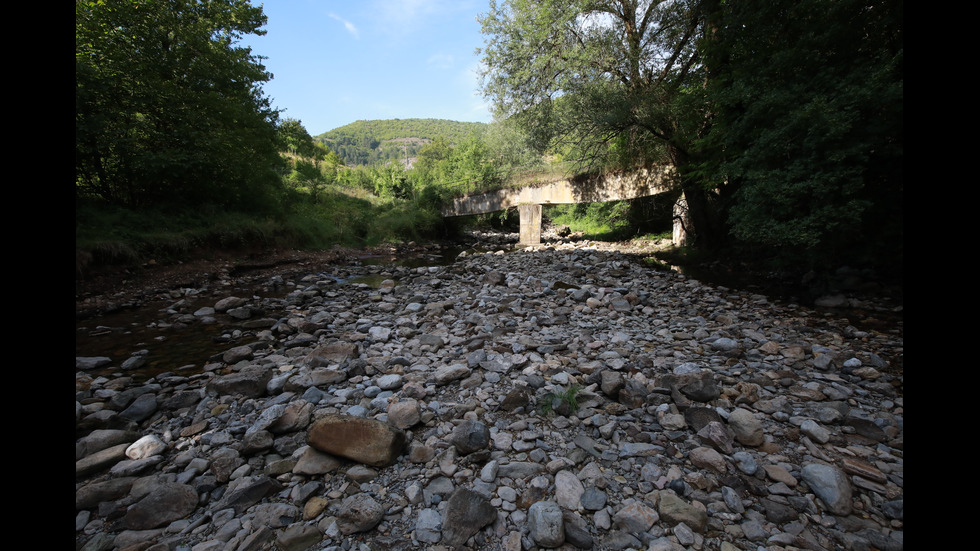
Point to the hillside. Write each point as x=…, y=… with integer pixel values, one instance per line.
x=370, y=142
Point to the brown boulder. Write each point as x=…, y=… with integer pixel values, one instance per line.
x=367, y=441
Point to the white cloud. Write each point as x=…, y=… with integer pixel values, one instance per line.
x=440, y=61
x=347, y=25
x=405, y=17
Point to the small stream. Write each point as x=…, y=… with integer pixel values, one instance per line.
x=154, y=329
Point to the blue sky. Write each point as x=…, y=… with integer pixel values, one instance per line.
x=338, y=61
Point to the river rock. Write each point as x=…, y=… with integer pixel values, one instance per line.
x=404, y=414
x=163, y=502
x=359, y=513
x=470, y=436
x=466, y=513
x=93, y=362
x=635, y=517
x=313, y=462
x=298, y=537
x=247, y=491
x=329, y=354
x=145, y=447
x=831, y=485
x=251, y=382
x=428, y=526
x=747, y=429
x=546, y=524
x=568, y=490
x=100, y=460
x=679, y=439
x=674, y=510
x=367, y=441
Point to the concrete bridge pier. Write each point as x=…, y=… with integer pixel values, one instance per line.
x=530, y=224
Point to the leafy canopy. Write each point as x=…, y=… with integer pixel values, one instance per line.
x=584, y=74
x=168, y=107
x=807, y=98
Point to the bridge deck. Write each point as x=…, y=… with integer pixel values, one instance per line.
x=607, y=187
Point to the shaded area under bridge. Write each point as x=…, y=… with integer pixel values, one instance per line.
x=581, y=189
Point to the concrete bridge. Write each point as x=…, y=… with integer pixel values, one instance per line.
x=583, y=189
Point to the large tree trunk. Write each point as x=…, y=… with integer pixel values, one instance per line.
x=705, y=227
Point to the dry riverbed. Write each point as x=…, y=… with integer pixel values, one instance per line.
x=560, y=397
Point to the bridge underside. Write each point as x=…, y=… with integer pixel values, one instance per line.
x=529, y=200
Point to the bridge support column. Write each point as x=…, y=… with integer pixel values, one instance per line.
x=530, y=224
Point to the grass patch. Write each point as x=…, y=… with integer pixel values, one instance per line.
x=112, y=235
x=561, y=402
x=600, y=221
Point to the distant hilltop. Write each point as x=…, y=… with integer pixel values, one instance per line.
x=369, y=142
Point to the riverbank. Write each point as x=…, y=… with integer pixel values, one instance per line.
x=564, y=396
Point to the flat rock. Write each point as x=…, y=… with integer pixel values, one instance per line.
x=367, y=441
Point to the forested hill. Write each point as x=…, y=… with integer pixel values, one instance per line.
x=369, y=142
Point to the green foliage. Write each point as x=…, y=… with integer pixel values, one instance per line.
x=808, y=127
x=606, y=84
x=587, y=76
x=390, y=181
x=364, y=143
x=168, y=108
x=312, y=166
x=563, y=401
x=609, y=220
x=112, y=234
x=470, y=167
x=295, y=139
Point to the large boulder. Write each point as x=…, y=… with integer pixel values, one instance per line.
x=367, y=441
x=163, y=503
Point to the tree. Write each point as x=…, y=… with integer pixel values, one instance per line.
x=807, y=125
x=594, y=75
x=470, y=166
x=296, y=139
x=168, y=108
x=313, y=165
x=430, y=163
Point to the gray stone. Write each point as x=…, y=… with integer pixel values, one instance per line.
x=747, y=429
x=405, y=413
x=815, y=431
x=568, y=490
x=635, y=517
x=330, y=354
x=92, y=362
x=546, y=524
x=298, y=537
x=313, y=462
x=100, y=460
x=829, y=484
x=141, y=409
x=674, y=510
x=250, y=382
x=466, y=513
x=593, y=499
x=246, y=492
x=428, y=526
x=359, y=513
x=470, y=436
x=163, y=504
x=446, y=374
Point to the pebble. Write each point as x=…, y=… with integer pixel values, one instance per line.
x=704, y=417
